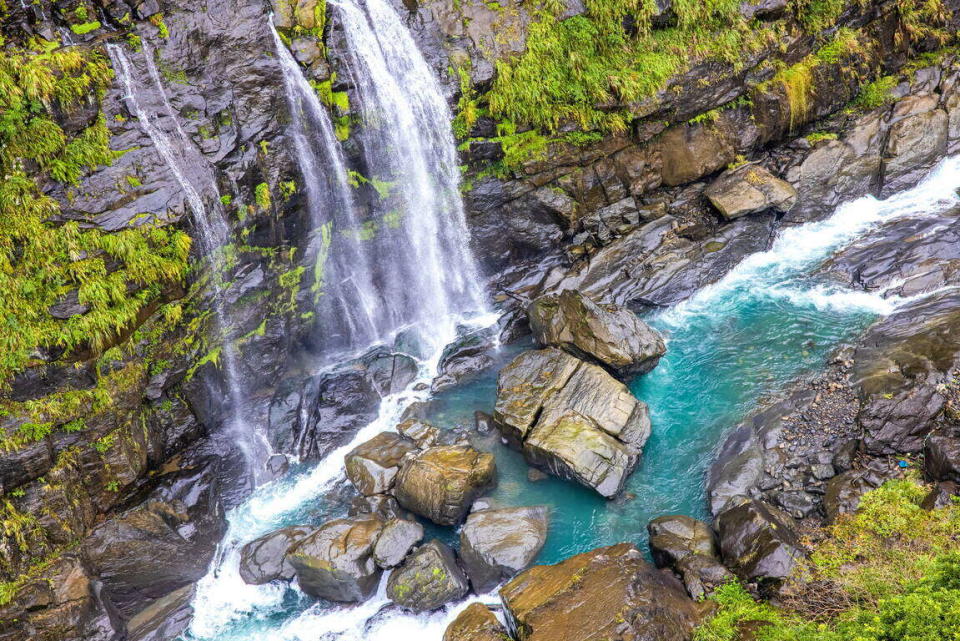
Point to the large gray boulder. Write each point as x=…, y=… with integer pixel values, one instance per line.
x=496, y=544
x=749, y=190
x=372, y=466
x=440, y=483
x=613, y=336
x=758, y=541
x=428, y=579
x=336, y=561
x=265, y=559
x=396, y=539
x=571, y=418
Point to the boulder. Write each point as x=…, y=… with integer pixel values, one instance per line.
x=336, y=561
x=571, y=418
x=264, y=559
x=607, y=593
x=842, y=493
x=749, y=190
x=613, y=336
x=689, y=547
x=383, y=505
x=941, y=457
x=428, y=579
x=420, y=432
x=396, y=540
x=763, y=9
x=702, y=575
x=372, y=466
x=942, y=495
x=475, y=623
x=440, y=483
x=496, y=544
x=757, y=540
x=465, y=356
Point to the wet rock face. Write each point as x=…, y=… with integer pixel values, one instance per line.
x=161, y=545
x=496, y=544
x=758, y=541
x=750, y=190
x=372, y=466
x=264, y=559
x=688, y=547
x=396, y=540
x=336, y=561
x=440, y=483
x=475, y=623
x=467, y=355
x=571, y=418
x=612, y=336
x=609, y=592
x=428, y=579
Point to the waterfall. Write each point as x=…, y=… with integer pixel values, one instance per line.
x=180, y=158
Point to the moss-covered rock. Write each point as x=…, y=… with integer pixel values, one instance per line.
x=428, y=579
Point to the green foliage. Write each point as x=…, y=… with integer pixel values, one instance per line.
x=86, y=27
x=40, y=261
x=382, y=187
x=875, y=94
x=157, y=21
x=261, y=194
x=819, y=136
x=893, y=570
x=287, y=189
x=226, y=199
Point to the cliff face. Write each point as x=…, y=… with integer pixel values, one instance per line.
x=577, y=172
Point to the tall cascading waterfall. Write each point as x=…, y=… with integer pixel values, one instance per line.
x=180, y=156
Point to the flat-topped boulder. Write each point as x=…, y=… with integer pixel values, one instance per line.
x=612, y=336
x=757, y=540
x=750, y=189
x=440, y=483
x=495, y=544
x=396, y=539
x=372, y=466
x=336, y=562
x=571, y=418
x=476, y=623
x=265, y=559
x=428, y=579
x=607, y=593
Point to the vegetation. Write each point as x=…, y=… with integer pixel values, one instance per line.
x=43, y=262
x=889, y=572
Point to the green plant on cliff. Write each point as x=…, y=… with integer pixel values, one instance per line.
x=889, y=572
x=44, y=259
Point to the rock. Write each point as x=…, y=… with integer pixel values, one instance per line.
x=264, y=559
x=465, y=356
x=276, y=466
x=166, y=618
x=396, y=540
x=842, y=493
x=372, y=466
x=441, y=482
x=383, y=505
x=476, y=623
x=336, y=561
x=389, y=371
x=749, y=190
x=571, y=418
x=917, y=140
x=763, y=9
x=675, y=536
x=534, y=475
x=941, y=457
x=612, y=336
x=758, y=541
x=702, y=575
x=420, y=432
x=428, y=579
x=496, y=544
x=607, y=593
x=943, y=494
x=482, y=422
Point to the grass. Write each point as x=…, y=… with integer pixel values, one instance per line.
x=889, y=572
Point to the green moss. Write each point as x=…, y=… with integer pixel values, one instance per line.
x=226, y=199
x=157, y=21
x=86, y=27
x=287, y=189
x=819, y=136
x=261, y=195
x=875, y=94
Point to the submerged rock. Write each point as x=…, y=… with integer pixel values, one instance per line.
x=476, y=623
x=428, y=579
x=496, y=544
x=336, y=561
x=610, y=335
x=571, y=418
x=749, y=190
x=396, y=539
x=265, y=559
x=440, y=483
x=758, y=541
x=372, y=466
x=607, y=593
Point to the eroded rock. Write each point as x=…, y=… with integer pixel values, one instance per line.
x=476, y=623
x=440, y=483
x=496, y=544
x=372, y=466
x=428, y=579
x=758, y=541
x=749, y=190
x=264, y=559
x=396, y=539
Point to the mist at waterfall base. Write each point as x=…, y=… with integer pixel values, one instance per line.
x=765, y=324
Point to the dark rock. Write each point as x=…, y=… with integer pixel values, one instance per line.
x=843, y=493
x=382, y=505
x=701, y=574
x=264, y=559
x=942, y=495
x=610, y=335
x=750, y=189
x=676, y=536
x=496, y=544
x=483, y=422
x=941, y=457
x=396, y=540
x=763, y=9
x=372, y=466
x=428, y=579
x=758, y=541
x=277, y=465
x=166, y=618
x=476, y=623
x=336, y=561
x=796, y=502
x=465, y=356
x=441, y=482
x=609, y=592
x=389, y=371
